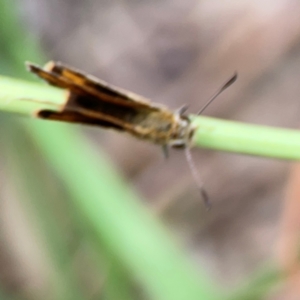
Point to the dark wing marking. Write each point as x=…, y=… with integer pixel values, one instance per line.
x=78, y=108
x=74, y=117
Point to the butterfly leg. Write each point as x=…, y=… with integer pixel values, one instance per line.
x=165, y=149
x=197, y=178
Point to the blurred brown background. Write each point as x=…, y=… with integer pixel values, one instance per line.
x=177, y=52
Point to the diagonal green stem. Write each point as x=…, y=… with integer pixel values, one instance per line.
x=117, y=217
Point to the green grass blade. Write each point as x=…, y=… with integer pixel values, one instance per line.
x=118, y=218
x=117, y=284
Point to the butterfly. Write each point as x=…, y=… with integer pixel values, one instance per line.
x=92, y=101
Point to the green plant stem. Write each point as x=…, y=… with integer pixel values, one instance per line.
x=26, y=98
x=246, y=138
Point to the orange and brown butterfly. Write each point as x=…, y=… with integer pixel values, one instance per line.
x=94, y=102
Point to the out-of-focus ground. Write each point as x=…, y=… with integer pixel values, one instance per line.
x=177, y=52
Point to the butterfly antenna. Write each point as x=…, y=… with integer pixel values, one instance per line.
x=196, y=177
x=223, y=88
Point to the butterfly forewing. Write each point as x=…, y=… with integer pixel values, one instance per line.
x=98, y=88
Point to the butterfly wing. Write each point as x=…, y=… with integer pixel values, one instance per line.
x=94, y=102
x=62, y=76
